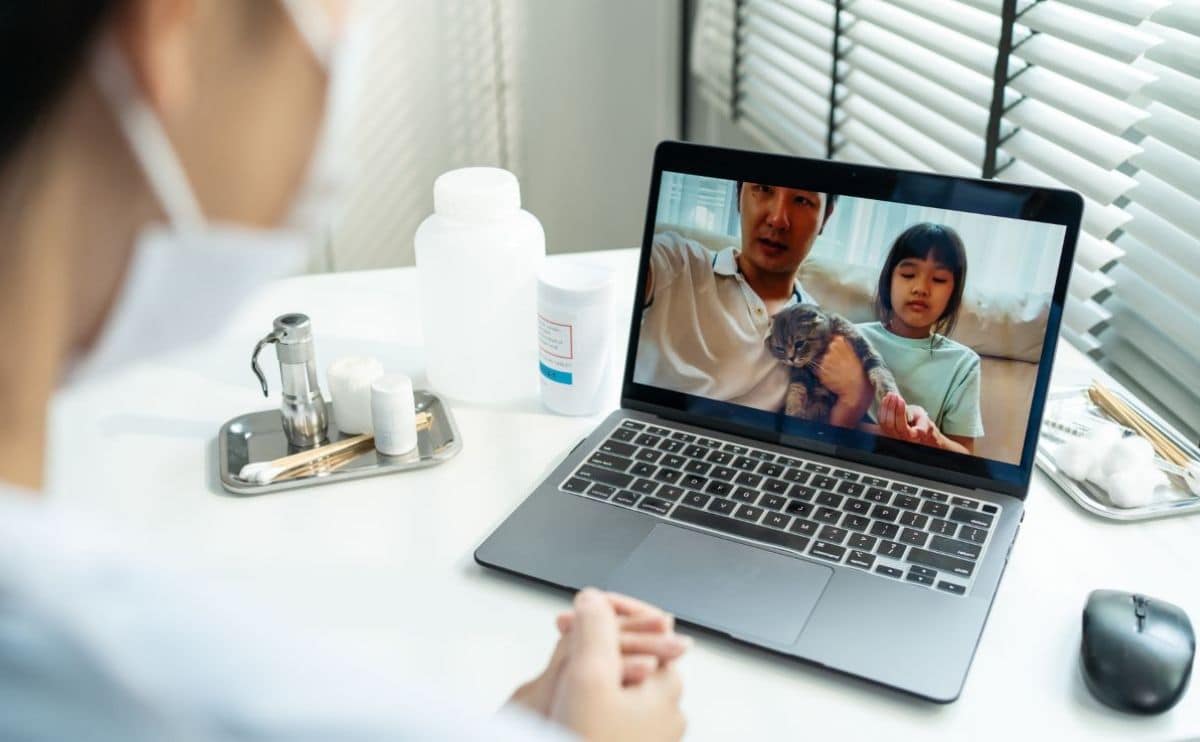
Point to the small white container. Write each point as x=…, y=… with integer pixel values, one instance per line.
x=576, y=342
x=350, y=381
x=394, y=414
x=477, y=260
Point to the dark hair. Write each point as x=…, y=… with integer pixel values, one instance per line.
x=830, y=201
x=921, y=241
x=43, y=43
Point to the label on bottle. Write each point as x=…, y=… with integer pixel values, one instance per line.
x=556, y=350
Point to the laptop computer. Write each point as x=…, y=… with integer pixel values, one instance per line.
x=843, y=537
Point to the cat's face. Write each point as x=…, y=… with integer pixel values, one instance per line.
x=798, y=334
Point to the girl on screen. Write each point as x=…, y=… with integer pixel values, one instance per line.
x=917, y=300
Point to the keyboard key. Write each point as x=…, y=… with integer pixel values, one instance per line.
x=830, y=499
x=796, y=476
x=670, y=476
x=696, y=452
x=745, y=463
x=673, y=461
x=762, y=455
x=906, y=502
x=749, y=512
x=745, y=494
x=914, y=537
x=657, y=430
x=775, y=486
x=884, y=530
x=936, y=509
x=625, y=497
x=668, y=492
x=724, y=473
x=708, y=442
x=832, y=534
x=855, y=522
x=990, y=509
x=887, y=571
x=890, y=549
x=604, y=476
x=915, y=520
x=919, y=578
x=632, y=425
x=624, y=434
x=850, y=488
x=951, y=587
x=971, y=517
x=883, y=512
x=801, y=492
x=828, y=515
x=907, y=489
x=610, y=461
x=721, y=489
x=777, y=520
x=616, y=448
x=824, y=482
x=860, y=559
x=720, y=458
x=971, y=534
x=935, y=496
x=964, y=502
x=642, y=469
x=645, y=439
x=827, y=551
x=574, y=484
x=875, y=494
x=797, y=507
x=922, y=570
x=748, y=479
x=873, y=481
x=739, y=528
x=679, y=435
x=806, y=527
x=693, y=482
x=862, y=541
x=769, y=469
x=849, y=476
x=954, y=547
x=697, y=467
x=671, y=446
x=603, y=491
x=734, y=448
x=941, y=561
x=858, y=507
x=773, y=502
x=724, y=507
x=818, y=468
x=654, y=505
x=644, y=486
x=945, y=527
x=695, y=499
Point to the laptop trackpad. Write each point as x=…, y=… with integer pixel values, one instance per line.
x=747, y=592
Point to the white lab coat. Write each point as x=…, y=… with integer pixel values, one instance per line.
x=100, y=641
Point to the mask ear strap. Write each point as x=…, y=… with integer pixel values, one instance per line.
x=147, y=138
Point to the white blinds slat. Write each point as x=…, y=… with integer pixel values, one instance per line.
x=787, y=48
x=1098, y=146
x=801, y=105
x=1161, y=235
x=1090, y=68
x=1126, y=11
x=1169, y=164
x=1093, y=253
x=1106, y=36
x=1167, y=276
x=1173, y=127
x=1182, y=14
x=883, y=151
x=958, y=16
x=1085, y=284
x=1173, y=87
x=1180, y=51
x=787, y=128
x=787, y=19
x=1081, y=101
x=1083, y=316
x=1170, y=203
x=933, y=37
x=915, y=142
x=1098, y=183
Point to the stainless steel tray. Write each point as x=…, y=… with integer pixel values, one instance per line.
x=1174, y=500
x=258, y=436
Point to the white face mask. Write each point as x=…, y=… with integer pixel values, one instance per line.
x=186, y=277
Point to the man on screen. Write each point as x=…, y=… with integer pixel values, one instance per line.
x=706, y=315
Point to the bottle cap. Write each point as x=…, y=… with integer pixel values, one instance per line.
x=476, y=194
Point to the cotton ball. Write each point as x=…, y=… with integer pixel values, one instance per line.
x=1103, y=435
x=1134, y=487
x=1076, y=458
x=1133, y=452
x=1192, y=477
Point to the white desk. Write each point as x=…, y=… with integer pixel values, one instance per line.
x=386, y=563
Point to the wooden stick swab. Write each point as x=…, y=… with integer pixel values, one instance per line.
x=1120, y=411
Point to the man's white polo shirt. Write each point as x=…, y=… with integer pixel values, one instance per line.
x=703, y=328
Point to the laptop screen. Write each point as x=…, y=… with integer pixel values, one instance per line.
x=905, y=326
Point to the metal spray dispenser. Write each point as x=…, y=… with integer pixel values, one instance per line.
x=305, y=418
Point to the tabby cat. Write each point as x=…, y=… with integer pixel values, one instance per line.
x=799, y=337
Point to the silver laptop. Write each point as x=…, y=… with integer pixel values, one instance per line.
x=748, y=490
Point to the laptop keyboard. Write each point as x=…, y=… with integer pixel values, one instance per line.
x=886, y=527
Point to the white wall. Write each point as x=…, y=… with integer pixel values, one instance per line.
x=572, y=95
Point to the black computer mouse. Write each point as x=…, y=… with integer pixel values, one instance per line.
x=1136, y=652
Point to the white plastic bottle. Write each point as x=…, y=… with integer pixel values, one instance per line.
x=576, y=341
x=478, y=257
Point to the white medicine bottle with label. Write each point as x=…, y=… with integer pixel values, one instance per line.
x=576, y=342
x=478, y=257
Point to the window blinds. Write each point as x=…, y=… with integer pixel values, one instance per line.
x=1099, y=96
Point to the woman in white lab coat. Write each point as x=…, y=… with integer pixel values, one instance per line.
x=156, y=156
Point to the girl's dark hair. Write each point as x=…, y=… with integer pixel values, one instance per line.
x=925, y=240
x=43, y=43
